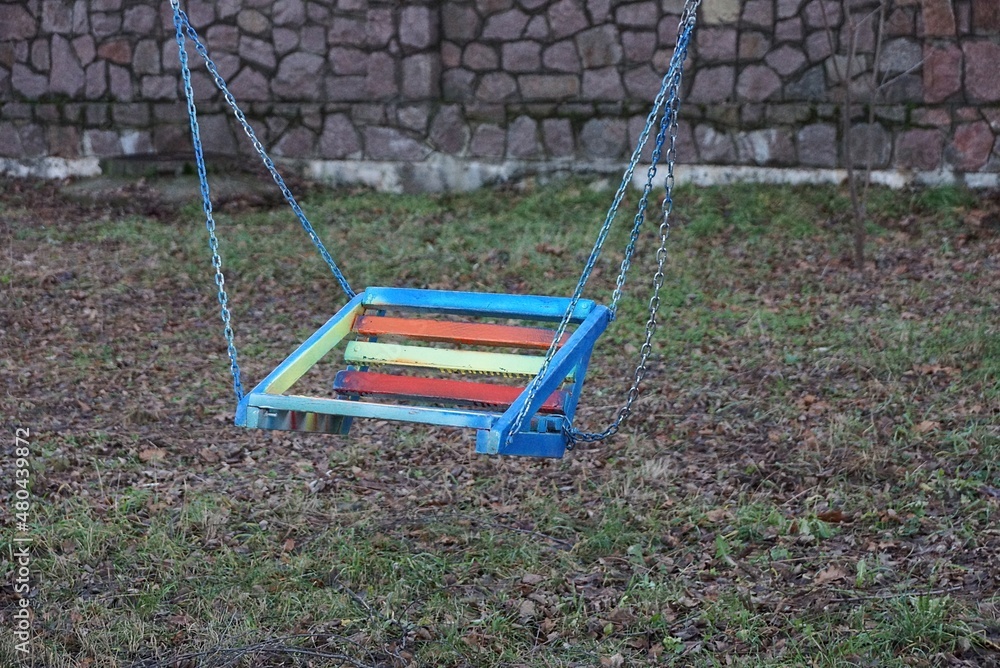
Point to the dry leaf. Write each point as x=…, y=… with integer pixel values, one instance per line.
x=288, y=545
x=209, y=455
x=830, y=574
x=152, y=455
x=833, y=517
x=928, y=426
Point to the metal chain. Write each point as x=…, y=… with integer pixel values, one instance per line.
x=206, y=199
x=668, y=99
x=220, y=83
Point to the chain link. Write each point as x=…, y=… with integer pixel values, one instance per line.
x=669, y=100
x=206, y=199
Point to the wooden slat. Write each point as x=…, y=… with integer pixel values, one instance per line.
x=437, y=390
x=469, y=333
x=526, y=307
x=462, y=361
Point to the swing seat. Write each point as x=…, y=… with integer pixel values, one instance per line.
x=425, y=345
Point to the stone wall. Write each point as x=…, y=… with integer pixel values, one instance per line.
x=494, y=82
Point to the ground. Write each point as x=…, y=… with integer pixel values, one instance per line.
x=811, y=475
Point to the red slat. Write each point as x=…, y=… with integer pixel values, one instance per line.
x=437, y=389
x=471, y=333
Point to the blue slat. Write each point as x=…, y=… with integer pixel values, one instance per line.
x=446, y=417
x=582, y=341
x=528, y=307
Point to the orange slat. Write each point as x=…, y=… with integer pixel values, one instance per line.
x=471, y=333
x=437, y=389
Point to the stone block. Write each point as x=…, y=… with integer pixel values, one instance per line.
x=345, y=88
x=817, y=145
x=823, y=14
x=758, y=13
x=637, y=14
x=40, y=55
x=982, y=80
x=666, y=30
x=720, y=11
x=146, y=59
x=380, y=79
x=789, y=8
x=348, y=60
x=347, y=31
x=818, y=47
x=488, y=141
x=413, y=116
x=493, y=6
x=713, y=84
x=16, y=23
x=496, y=87
x=985, y=17
x=870, y=145
x=258, y=52
x=522, y=56
x=285, y=40
x=907, y=88
x=159, y=87
x=291, y=13
x=599, y=47
x=253, y=21
x=557, y=137
x=714, y=146
x=716, y=45
x=789, y=30
x=753, y=45
x=938, y=18
x=810, y=87
x=222, y=38
x=638, y=47
x=772, y=146
x=140, y=20
x=66, y=76
x=104, y=25
x=85, y=49
x=459, y=23
x=117, y=51
x=599, y=11
x=506, y=26
x=549, y=86
x=919, y=149
x=417, y=27
x=602, y=84
x=250, y=85
x=786, y=60
x=566, y=17
x=562, y=57
x=298, y=77
x=421, y=77
x=103, y=143
x=942, y=72
x=449, y=133
x=480, y=57
x=133, y=114
x=81, y=18
x=458, y=85
x=296, y=143
x=10, y=140
x=451, y=55
x=313, y=40
x=970, y=146
x=318, y=13
x=522, y=138
x=901, y=22
x=96, y=80
x=380, y=27
x=604, y=138
x=218, y=136
x=538, y=29
x=57, y=17
x=642, y=83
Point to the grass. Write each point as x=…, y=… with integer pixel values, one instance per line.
x=810, y=476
